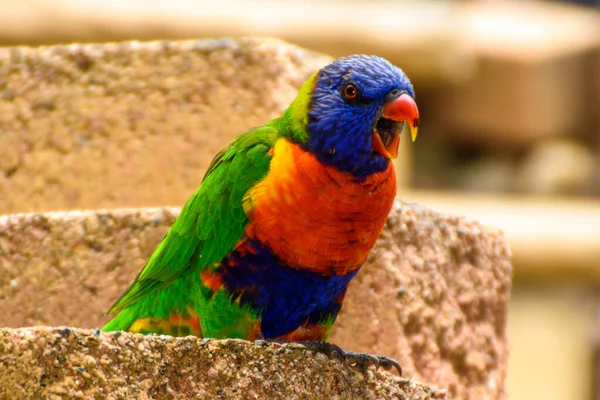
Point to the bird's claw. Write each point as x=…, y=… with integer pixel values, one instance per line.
x=361, y=359
x=366, y=359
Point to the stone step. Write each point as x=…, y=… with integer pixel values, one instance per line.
x=133, y=124
x=59, y=363
x=433, y=294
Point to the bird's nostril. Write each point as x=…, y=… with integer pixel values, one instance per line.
x=393, y=94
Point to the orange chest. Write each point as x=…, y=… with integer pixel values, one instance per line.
x=315, y=217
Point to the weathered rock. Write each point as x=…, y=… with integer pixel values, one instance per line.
x=58, y=363
x=132, y=124
x=433, y=294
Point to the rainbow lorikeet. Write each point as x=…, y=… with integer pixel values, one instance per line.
x=284, y=217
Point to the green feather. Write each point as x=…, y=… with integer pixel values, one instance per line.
x=207, y=229
x=295, y=119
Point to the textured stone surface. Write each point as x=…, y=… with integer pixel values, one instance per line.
x=433, y=293
x=132, y=124
x=65, y=363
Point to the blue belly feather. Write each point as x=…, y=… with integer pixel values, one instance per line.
x=287, y=298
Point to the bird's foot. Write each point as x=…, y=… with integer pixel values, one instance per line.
x=333, y=350
x=361, y=359
x=379, y=361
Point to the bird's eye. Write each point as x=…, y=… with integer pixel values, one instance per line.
x=350, y=91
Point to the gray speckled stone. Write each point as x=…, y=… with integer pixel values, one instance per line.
x=59, y=363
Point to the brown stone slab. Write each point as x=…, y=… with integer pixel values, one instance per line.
x=132, y=124
x=59, y=363
x=433, y=294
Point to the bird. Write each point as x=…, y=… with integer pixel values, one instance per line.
x=284, y=217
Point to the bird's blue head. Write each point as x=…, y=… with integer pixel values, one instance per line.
x=350, y=113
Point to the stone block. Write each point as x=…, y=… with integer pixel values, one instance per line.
x=59, y=363
x=433, y=294
x=132, y=124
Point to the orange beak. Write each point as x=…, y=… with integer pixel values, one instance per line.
x=400, y=109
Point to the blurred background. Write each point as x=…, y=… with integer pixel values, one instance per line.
x=509, y=95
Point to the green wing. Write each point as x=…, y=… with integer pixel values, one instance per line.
x=212, y=221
